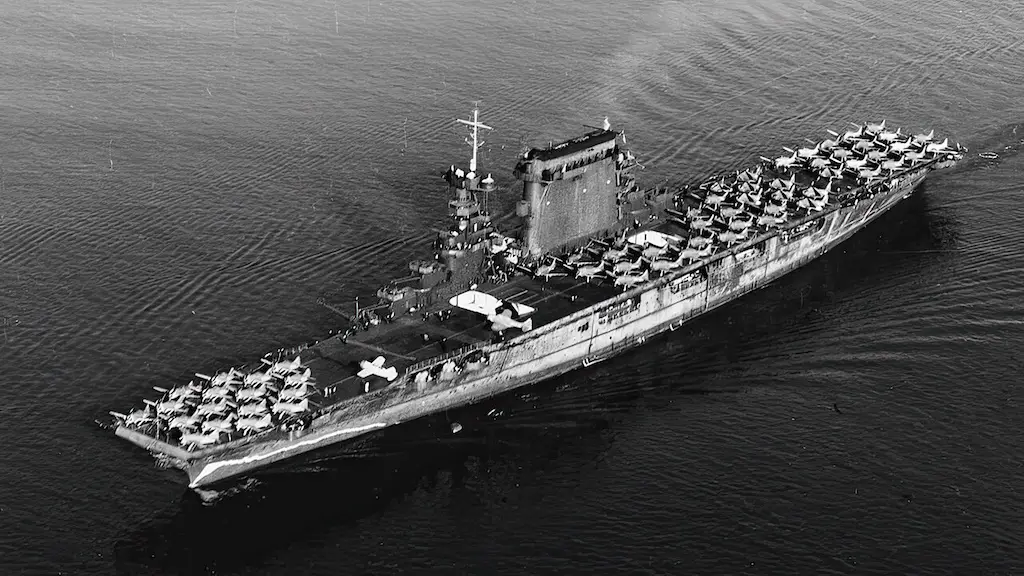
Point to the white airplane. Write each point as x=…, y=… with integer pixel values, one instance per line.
x=818, y=163
x=211, y=408
x=852, y=134
x=738, y=224
x=297, y=393
x=652, y=251
x=750, y=176
x=775, y=209
x=869, y=174
x=297, y=378
x=888, y=135
x=783, y=162
x=838, y=155
x=254, y=424
x=578, y=256
x=696, y=254
x=769, y=220
x=808, y=153
x=750, y=199
x=292, y=407
x=136, y=417
x=748, y=187
x=778, y=184
x=254, y=378
x=169, y=407
x=225, y=377
x=484, y=304
x=940, y=147
x=730, y=237
x=875, y=128
x=376, y=368
x=854, y=165
x=502, y=322
x=810, y=204
x=827, y=144
x=914, y=157
x=863, y=145
x=590, y=271
x=729, y=211
x=613, y=253
x=250, y=394
x=713, y=199
x=892, y=165
x=225, y=423
x=224, y=392
x=663, y=264
x=548, y=271
x=923, y=138
x=815, y=192
x=875, y=155
x=624, y=266
x=253, y=409
x=830, y=173
x=185, y=422
x=284, y=366
x=901, y=146
x=190, y=390
x=720, y=187
x=699, y=241
x=627, y=280
x=701, y=223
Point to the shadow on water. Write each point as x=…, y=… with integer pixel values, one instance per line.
x=334, y=489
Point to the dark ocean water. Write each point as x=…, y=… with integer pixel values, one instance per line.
x=180, y=182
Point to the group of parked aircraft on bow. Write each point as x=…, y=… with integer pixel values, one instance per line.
x=210, y=408
x=734, y=208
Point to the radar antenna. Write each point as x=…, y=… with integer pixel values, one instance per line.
x=475, y=124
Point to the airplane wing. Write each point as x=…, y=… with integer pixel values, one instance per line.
x=484, y=304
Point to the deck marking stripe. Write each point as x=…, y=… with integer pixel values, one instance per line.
x=211, y=468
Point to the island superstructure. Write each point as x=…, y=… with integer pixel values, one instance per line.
x=588, y=265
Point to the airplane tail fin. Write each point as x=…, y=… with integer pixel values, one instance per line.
x=528, y=325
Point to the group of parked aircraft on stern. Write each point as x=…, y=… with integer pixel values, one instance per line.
x=725, y=210
x=212, y=409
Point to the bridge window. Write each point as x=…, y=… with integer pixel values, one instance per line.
x=583, y=327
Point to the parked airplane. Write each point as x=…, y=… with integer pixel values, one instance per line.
x=624, y=266
x=875, y=128
x=627, y=280
x=940, y=147
x=502, y=322
x=588, y=271
x=888, y=135
x=924, y=138
x=376, y=368
x=254, y=424
x=547, y=271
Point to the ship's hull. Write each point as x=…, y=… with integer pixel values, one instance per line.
x=580, y=339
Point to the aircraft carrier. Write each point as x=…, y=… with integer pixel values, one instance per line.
x=588, y=265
